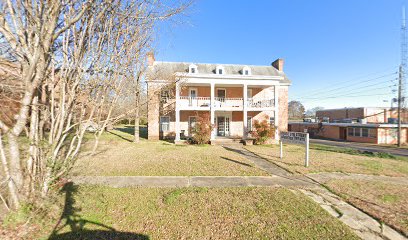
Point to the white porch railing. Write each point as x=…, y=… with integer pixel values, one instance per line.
x=219, y=102
x=186, y=101
x=260, y=103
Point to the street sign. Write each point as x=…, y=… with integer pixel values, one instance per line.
x=295, y=138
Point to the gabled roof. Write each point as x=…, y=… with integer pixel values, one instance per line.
x=167, y=68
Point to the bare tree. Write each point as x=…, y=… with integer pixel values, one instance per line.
x=71, y=62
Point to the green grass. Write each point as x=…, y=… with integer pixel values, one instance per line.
x=332, y=159
x=355, y=152
x=194, y=213
x=387, y=202
x=118, y=157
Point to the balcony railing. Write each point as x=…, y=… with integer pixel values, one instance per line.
x=260, y=103
x=220, y=102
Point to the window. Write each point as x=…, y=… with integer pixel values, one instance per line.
x=272, y=121
x=246, y=71
x=350, y=132
x=249, y=124
x=192, y=68
x=364, y=132
x=164, y=124
x=165, y=95
x=191, y=124
x=357, y=132
x=219, y=70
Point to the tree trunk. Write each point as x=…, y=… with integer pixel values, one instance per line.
x=33, y=149
x=11, y=185
x=16, y=173
x=137, y=117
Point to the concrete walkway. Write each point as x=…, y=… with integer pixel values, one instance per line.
x=363, y=147
x=361, y=223
x=325, y=177
x=185, y=181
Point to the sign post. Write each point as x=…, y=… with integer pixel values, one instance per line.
x=295, y=138
x=281, y=149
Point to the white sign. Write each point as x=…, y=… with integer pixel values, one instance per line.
x=295, y=138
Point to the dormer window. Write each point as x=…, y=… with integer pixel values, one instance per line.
x=246, y=71
x=192, y=68
x=219, y=70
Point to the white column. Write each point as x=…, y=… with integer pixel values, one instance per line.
x=276, y=93
x=177, y=130
x=245, y=113
x=212, y=109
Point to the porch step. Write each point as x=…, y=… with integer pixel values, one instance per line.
x=222, y=141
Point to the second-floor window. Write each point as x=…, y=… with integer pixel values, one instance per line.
x=165, y=95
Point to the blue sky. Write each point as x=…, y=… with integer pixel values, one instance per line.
x=336, y=52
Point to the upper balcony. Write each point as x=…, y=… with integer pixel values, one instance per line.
x=221, y=103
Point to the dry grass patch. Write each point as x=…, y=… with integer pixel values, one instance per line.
x=197, y=213
x=117, y=157
x=328, y=161
x=385, y=201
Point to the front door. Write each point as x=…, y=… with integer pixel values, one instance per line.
x=343, y=133
x=191, y=125
x=221, y=126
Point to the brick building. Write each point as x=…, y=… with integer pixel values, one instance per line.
x=365, y=124
x=232, y=95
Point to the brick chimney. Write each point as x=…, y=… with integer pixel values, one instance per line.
x=150, y=58
x=278, y=64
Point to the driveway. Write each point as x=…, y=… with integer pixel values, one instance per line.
x=363, y=147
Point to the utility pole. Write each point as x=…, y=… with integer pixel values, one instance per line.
x=401, y=76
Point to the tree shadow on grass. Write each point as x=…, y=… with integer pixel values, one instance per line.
x=129, y=129
x=238, y=162
x=77, y=224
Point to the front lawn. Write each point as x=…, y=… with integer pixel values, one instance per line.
x=323, y=160
x=195, y=213
x=116, y=156
x=385, y=201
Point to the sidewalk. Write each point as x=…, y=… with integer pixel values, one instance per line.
x=194, y=181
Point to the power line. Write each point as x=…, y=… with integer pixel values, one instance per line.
x=337, y=97
x=325, y=89
x=366, y=88
x=348, y=86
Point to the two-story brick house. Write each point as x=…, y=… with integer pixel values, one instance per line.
x=232, y=95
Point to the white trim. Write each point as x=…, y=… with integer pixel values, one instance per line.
x=191, y=67
x=218, y=68
x=246, y=68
